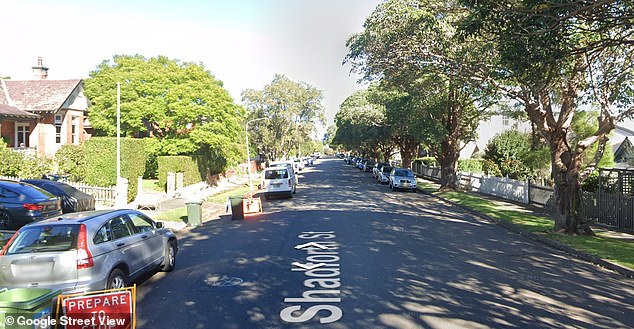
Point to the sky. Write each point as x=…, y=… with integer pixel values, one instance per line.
x=244, y=43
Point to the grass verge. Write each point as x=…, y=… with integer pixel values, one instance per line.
x=617, y=250
x=174, y=215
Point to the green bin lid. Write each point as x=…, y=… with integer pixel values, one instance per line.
x=26, y=298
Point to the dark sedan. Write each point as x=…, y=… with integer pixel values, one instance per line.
x=73, y=200
x=22, y=203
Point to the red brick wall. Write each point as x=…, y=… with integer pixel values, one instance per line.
x=8, y=130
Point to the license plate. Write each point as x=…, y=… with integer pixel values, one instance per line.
x=276, y=184
x=32, y=270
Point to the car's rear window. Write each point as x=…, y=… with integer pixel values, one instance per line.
x=276, y=174
x=403, y=173
x=45, y=238
x=31, y=191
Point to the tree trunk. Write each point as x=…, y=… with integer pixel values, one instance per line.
x=448, y=160
x=565, y=169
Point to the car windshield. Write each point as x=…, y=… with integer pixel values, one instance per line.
x=43, y=238
x=403, y=173
x=387, y=169
x=276, y=174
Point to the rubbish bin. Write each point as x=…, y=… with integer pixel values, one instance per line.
x=237, y=213
x=194, y=213
x=31, y=303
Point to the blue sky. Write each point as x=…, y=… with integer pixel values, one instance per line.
x=243, y=43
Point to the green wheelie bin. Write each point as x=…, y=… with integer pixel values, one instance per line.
x=22, y=308
x=194, y=213
x=237, y=212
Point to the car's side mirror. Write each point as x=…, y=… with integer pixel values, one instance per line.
x=159, y=225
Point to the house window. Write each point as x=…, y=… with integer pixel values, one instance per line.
x=505, y=120
x=22, y=132
x=58, y=129
x=75, y=129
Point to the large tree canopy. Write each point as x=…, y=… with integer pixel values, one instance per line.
x=554, y=57
x=292, y=109
x=435, y=105
x=181, y=105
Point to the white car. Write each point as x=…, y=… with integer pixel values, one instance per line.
x=402, y=178
x=383, y=176
x=290, y=165
x=278, y=181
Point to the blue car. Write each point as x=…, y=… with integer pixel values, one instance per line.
x=22, y=203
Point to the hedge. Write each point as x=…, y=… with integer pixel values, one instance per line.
x=195, y=169
x=101, y=162
x=179, y=163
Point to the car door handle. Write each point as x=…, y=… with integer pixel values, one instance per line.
x=120, y=244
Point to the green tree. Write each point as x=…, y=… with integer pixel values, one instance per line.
x=552, y=57
x=179, y=104
x=507, y=151
x=394, y=48
x=293, y=109
x=362, y=126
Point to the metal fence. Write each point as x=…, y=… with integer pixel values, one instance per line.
x=604, y=206
x=104, y=196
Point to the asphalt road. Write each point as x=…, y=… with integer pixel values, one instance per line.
x=393, y=260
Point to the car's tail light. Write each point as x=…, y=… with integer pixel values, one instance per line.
x=84, y=256
x=289, y=183
x=6, y=246
x=32, y=206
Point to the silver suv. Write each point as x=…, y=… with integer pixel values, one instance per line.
x=87, y=251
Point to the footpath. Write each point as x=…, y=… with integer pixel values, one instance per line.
x=200, y=192
x=607, y=237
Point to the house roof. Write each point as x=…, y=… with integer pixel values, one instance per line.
x=12, y=112
x=40, y=95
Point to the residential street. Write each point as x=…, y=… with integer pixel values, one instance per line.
x=404, y=260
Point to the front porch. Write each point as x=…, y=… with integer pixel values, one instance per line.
x=16, y=127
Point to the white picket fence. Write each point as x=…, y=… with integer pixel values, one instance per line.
x=104, y=196
x=502, y=187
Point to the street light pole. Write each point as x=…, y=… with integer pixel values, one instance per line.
x=246, y=129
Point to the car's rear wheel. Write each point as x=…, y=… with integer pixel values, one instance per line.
x=170, y=258
x=5, y=220
x=116, y=280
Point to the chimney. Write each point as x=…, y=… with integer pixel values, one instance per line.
x=40, y=71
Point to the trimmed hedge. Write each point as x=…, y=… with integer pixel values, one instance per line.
x=179, y=163
x=195, y=169
x=101, y=162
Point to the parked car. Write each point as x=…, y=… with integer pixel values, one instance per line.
x=278, y=181
x=402, y=178
x=72, y=199
x=384, y=174
x=368, y=166
x=376, y=170
x=308, y=161
x=290, y=165
x=22, y=203
x=299, y=164
x=87, y=251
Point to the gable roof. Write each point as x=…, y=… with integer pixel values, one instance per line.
x=40, y=95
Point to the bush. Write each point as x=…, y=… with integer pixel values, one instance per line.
x=34, y=167
x=470, y=165
x=12, y=161
x=101, y=162
x=429, y=161
x=71, y=160
x=180, y=163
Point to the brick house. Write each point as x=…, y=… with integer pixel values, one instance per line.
x=41, y=115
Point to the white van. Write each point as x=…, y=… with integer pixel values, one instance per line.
x=278, y=181
x=291, y=167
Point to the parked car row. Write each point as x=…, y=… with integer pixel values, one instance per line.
x=384, y=173
x=62, y=243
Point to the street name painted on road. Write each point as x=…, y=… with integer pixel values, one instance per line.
x=322, y=268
